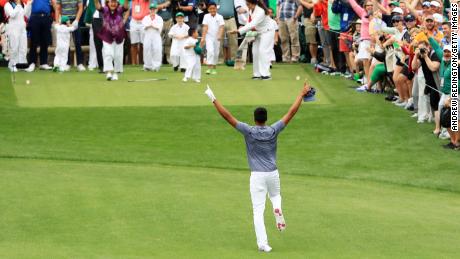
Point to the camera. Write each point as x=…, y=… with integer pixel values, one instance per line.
x=423, y=51
x=202, y=5
x=382, y=38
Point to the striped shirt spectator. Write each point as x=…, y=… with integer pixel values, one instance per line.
x=287, y=9
x=69, y=8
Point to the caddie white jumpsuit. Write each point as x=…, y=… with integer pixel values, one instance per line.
x=61, y=53
x=214, y=23
x=16, y=32
x=262, y=46
x=192, y=60
x=153, y=43
x=177, y=46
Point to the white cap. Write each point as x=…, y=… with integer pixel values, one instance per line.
x=437, y=18
x=397, y=10
x=448, y=47
x=435, y=3
x=358, y=21
x=426, y=3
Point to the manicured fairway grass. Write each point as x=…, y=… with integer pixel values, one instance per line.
x=96, y=169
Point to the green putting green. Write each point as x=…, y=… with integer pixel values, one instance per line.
x=74, y=89
x=96, y=169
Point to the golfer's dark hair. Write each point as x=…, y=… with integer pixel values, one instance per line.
x=260, y=3
x=191, y=31
x=260, y=114
x=211, y=4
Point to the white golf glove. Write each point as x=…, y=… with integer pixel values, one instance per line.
x=75, y=24
x=210, y=94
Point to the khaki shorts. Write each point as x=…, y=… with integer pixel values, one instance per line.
x=310, y=31
x=136, y=31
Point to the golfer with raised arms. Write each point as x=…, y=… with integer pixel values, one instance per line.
x=261, y=141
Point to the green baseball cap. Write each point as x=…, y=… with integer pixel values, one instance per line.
x=64, y=19
x=153, y=6
x=180, y=14
x=395, y=3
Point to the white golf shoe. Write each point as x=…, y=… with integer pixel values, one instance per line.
x=114, y=77
x=45, y=67
x=280, y=223
x=265, y=248
x=109, y=76
x=31, y=68
x=444, y=134
x=81, y=68
x=401, y=104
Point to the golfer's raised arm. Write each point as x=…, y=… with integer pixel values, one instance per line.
x=220, y=108
x=295, y=106
x=225, y=113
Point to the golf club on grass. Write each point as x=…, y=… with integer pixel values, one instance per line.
x=16, y=67
x=147, y=80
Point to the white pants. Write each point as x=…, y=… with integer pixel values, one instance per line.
x=272, y=50
x=260, y=183
x=113, y=56
x=92, y=63
x=212, y=50
x=179, y=61
x=175, y=60
x=261, y=50
x=273, y=55
x=193, y=67
x=424, y=108
x=17, y=41
x=183, y=61
x=176, y=55
x=61, y=54
x=153, y=52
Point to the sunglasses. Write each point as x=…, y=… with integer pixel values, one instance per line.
x=447, y=51
x=369, y=5
x=429, y=20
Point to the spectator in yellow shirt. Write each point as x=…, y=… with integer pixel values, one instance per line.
x=431, y=30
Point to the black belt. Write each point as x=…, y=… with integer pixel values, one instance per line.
x=40, y=14
x=229, y=17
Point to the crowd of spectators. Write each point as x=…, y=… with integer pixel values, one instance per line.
x=401, y=47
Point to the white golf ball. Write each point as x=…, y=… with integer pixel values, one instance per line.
x=297, y=78
x=28, y=82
